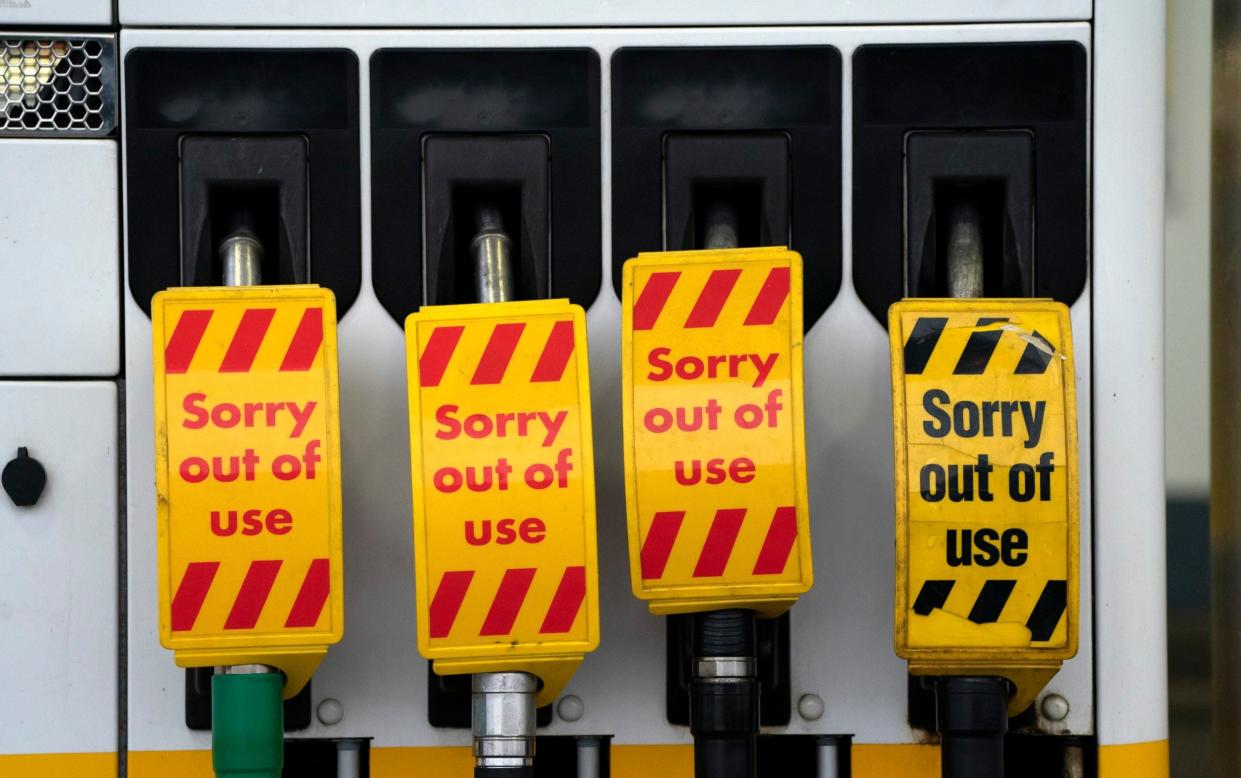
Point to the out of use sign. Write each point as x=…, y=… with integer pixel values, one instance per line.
x=714, y=434
x=248, y=476
x=504, y=498
x=986, y=480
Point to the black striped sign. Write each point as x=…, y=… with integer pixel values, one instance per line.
x=981, y=344
x=991, y=600
x=985, y=462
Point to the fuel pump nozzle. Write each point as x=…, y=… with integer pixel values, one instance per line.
x=492, y=250
x=971, y=712
x=724, y=695
x=241, y=252
x=503, y=709
x=724, y=689
x=247, y=712
x=504, y=722
x=241, y=259
x=964, y=260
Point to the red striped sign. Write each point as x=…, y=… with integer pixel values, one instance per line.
x=508, y=601
x=247, y=475
x=711, y=298
x=717, y=548
x=246, y=605
x=501, y=459
x=244, y=341
x=714, y=448
x=492, y=366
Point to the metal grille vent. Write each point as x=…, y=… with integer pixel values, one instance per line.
x=58, y=86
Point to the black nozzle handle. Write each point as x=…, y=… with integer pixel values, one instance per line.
x=503, y=772
x=724, y=695
x=972, y=718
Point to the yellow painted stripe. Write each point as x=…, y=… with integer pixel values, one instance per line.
x=445, y=761
x=648, y=761
x=58, y=766
x=455, y=762
x=438, y=761
x=161, y=764
x=872, y=760
x=1134, y=760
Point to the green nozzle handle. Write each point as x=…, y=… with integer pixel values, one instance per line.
x=247, y=725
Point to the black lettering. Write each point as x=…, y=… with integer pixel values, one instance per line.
x=1013, y=545
x=965, y=417
x=929, y=400
x=985, y=540
x=961, y=483
x=931, y=483
x=1021, y=482
x=958, y=556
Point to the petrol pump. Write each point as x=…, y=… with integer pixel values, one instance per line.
x=248, y=476
x=247, y=421
x=506, y=571
x=716, y=491
x=715, y=473
x=381, y=150
x=984, y=402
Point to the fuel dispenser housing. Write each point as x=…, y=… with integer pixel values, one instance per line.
x=844, y=678
x=206, y=131
x=537, y=154
x=1008, y=119
x=694, y=120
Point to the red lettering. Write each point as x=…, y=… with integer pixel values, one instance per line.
x=717, y=469
x=252, y=523
x=194, y=470
x=224, y=469
x=533, y=530
x=480, y=539
x=198, y=416
x=226, y=415
x=742, y=470
x=277, y=521
x=280, y=522
x=476, y=478
x=690, y=418
x=507, y=531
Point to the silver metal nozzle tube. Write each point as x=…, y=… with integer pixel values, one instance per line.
x=504, y=719
x=1074, y=761
x=590, y=756
x=492, y=250
x=253, y=669
x=349, y=758
x=965, y=250
x=828, y=762
x=503, y=714
x=241, y=256
x=721, y=230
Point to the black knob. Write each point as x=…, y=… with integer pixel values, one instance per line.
x=23, y=479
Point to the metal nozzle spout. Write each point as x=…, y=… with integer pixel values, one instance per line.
x=492, y=250
x=241, y=257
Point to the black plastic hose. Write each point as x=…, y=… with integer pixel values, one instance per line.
x=724, y=711
x=972, y=718
x=503, y=772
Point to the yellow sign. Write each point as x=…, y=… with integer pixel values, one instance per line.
x=715, y=452
x=986, y=482
x=504, y=495
x=247, y=445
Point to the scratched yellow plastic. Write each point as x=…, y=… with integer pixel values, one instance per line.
x=195, y=418
x=503, y=479
x=994, y=453
x=699, y=402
